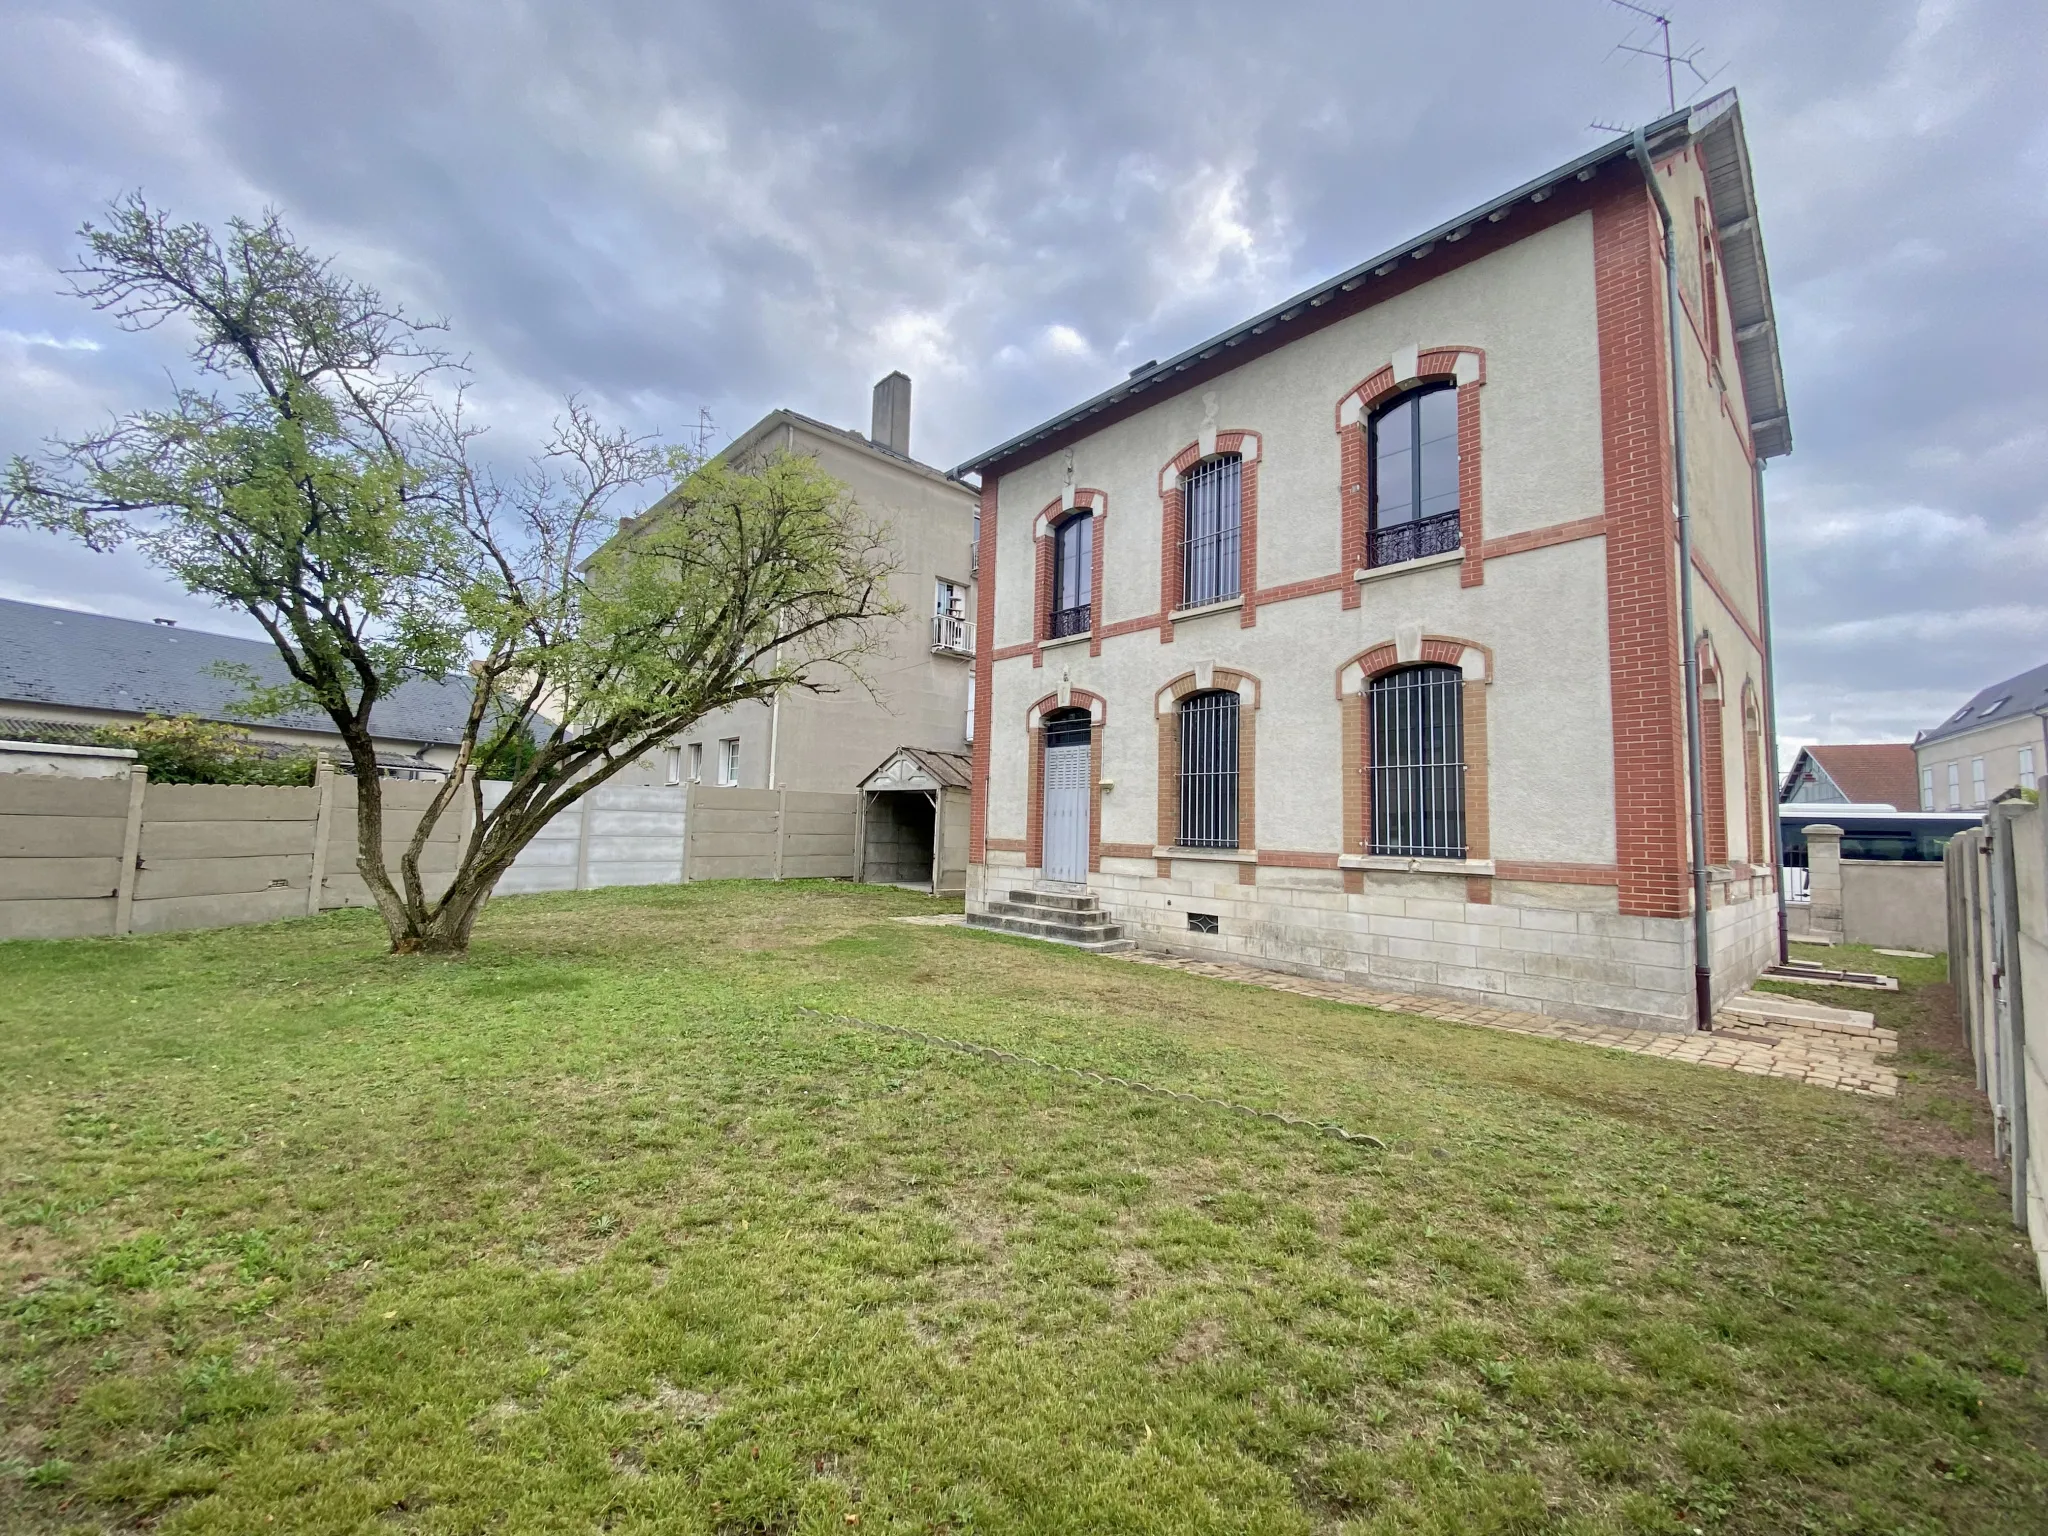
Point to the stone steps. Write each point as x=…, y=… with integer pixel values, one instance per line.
x=1762, y=1008
x=1056, y=917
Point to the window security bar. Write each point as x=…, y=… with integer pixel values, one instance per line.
x=1418, y=764
x=1212, y=512
x=1414, y=541
x=1208, y=771
x=952, y=633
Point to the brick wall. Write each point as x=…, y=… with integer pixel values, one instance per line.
x=1642, y=616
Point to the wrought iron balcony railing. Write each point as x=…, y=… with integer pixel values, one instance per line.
x=1069, y=621
x=1413, y=541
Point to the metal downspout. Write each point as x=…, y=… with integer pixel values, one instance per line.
x=1774, y=827
x=1695, y=773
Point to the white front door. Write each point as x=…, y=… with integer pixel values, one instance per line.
x=1066, y=813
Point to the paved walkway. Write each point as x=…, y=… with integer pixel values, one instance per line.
x=1826, y=1055
x=1852, y=1061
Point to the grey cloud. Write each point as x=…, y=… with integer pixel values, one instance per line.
x=668, y=205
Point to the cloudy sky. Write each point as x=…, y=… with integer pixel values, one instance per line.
x=667, y=206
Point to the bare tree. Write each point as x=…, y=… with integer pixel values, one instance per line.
x=340, y=501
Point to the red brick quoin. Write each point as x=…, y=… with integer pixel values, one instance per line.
x=1643, y=639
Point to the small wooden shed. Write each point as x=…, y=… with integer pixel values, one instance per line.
x=914, y=821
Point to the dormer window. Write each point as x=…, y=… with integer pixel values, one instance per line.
x=1413, y=450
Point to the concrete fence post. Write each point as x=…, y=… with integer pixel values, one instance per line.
x=131, y=852
x=583, y=841
x=689, y=824
x=323, y=832
x=781, y=828
x=2004, y=818
x=1824, y=881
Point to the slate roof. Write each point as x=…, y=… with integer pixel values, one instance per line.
x=1879, y=773
x=90, y=661
x=2015, y=696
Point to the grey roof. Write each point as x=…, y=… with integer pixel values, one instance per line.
x=783, y=416
x=89, y=661
x=953, y=770
x=2021, y=695
x=1716, y=125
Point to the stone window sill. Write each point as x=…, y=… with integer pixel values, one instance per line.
x=1081, y=639
x=1199, y=610
x=1409, y=866
x=1213, y=855
x=1426, y=563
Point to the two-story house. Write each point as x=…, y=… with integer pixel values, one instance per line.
x=1349, y=641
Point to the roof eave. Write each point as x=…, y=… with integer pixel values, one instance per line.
x=1771, y=429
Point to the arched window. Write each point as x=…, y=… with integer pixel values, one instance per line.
x=1208, y=770
x=1073, y=572
x=1212, y=511
x=1414, y=456
x=1710, y=285
x=1417, y=731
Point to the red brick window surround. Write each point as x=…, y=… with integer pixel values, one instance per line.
x=1034, y=726
x=1713, y=756
x=1354, y=689
x=1212, y=445
x=1414, y=369
x=1210, y=678
x=1755, y=809
x=1710, y=289
x=1081, y=501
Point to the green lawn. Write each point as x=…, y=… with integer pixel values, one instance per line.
x=600, y=1229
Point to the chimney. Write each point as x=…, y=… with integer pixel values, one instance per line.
x=892, y=415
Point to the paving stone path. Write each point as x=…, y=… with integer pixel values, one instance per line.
x=1848, y=1060
x=1852, y=1061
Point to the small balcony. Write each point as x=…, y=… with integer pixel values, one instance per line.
x=1412, y=541
x=952, y=635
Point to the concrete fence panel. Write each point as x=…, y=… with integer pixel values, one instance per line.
x=1894, y=904
x=1998, y=963
x=771, y=834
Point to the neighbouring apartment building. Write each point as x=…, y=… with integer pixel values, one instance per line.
x=922, y=677
x=1997, y=741
x=1348, y=641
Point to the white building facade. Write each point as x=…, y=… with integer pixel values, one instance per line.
x=1348, y=641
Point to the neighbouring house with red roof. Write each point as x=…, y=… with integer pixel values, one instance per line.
x=1874, y=773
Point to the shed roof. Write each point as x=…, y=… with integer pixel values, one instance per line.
x=90, y=661
x=903, y=768
x=1715, y=125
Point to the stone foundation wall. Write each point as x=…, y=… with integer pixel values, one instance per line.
x=1560, y=950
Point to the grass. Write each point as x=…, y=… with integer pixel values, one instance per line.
x=598, y=1229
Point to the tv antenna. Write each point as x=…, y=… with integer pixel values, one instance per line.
x=705, y=431
x=1656, y=44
